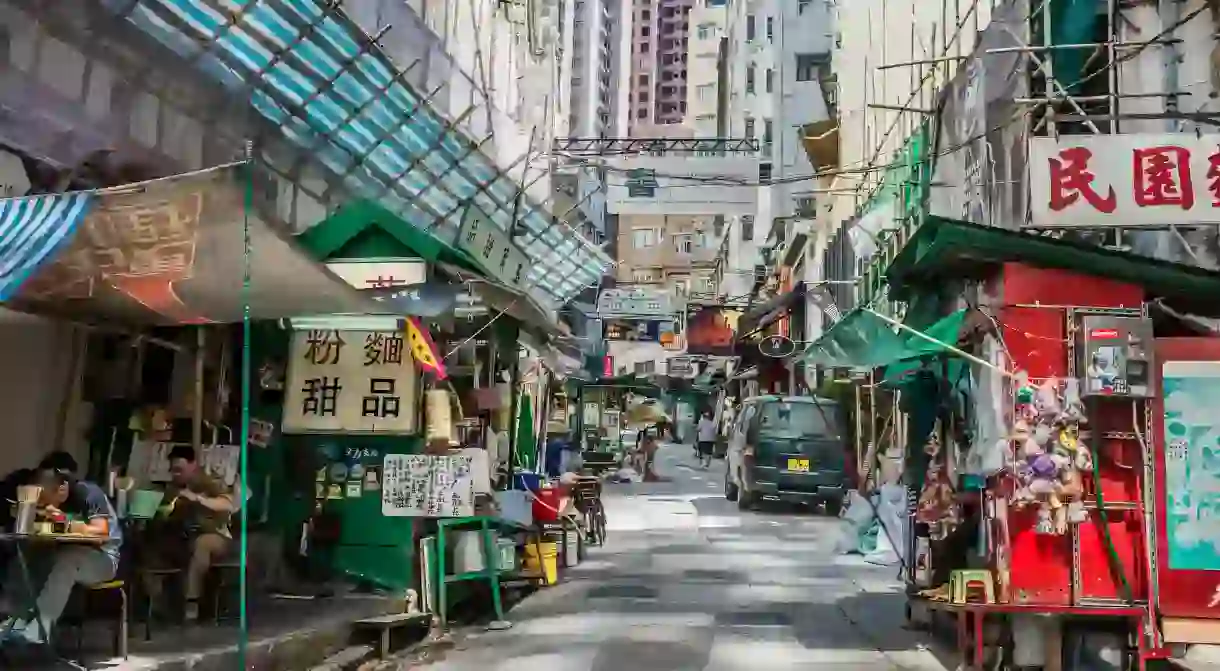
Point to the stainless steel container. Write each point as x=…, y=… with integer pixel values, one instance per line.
x=27, y=512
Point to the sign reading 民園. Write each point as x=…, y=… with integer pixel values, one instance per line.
x=350, y=381
x=1127, y=180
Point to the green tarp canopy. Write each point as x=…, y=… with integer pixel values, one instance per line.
x=864, y=340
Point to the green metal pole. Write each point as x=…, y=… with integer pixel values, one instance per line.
x=243, y=640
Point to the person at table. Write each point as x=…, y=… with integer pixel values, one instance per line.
x=72, y=563
x=201, y=508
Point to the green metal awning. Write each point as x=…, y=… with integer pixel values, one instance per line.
x=864, y=340
x=949, y=248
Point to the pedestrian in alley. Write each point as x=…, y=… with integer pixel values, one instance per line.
x=706, y=438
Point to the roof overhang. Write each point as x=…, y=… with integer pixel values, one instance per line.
x=311, y=71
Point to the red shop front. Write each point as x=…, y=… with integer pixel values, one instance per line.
x=1122, y=562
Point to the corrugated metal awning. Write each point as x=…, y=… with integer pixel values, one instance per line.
x=310, y=70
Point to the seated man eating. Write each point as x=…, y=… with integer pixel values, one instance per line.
x=199, y=508
x=76, y=563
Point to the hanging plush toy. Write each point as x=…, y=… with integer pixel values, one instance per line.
x=1048, y=454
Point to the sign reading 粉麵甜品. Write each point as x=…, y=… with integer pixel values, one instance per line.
x=494, y=250
x=350, y=381
x=1128, y=180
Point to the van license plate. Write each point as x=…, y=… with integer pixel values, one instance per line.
x=798, y=465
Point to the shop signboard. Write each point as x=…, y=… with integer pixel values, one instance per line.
x=638, y=302
x=641, y=183
x=494, y=250
x=647, y=330
x=679, y=366
x=350, y=381
x=1128, y=180
x=712, y=330
x=380, y=273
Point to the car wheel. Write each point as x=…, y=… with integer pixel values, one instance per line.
x=834, y=507
x=730, y=488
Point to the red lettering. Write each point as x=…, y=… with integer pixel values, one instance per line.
x=1162, y=177
x=1071, y=179
x=1213, y=177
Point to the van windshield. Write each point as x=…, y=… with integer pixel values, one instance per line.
x=781, y=419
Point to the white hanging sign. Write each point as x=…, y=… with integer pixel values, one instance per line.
x=351, y=381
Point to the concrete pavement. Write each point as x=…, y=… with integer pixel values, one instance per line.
x=689, y=583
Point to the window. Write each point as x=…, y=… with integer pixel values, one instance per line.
x=750, y=78
x=683, y=243
x=811, y=67
x=750, y=28
x=747, y=227
x=642, y=238
x=644, y=275
x=643, y=80
x=644, y=48
x=680, y=285
x=704, y=31
x=641, y=113
x=764, y=173
x=766, y=131
x=802, y=5
x=645, y=31
x=770, y=29
x=750, y=127
x=705, y=91
x=645, y=366
x=643, y=96
x=769, y=80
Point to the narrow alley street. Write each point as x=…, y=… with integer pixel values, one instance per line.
x=689, y=583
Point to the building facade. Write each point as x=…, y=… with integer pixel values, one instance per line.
x=707, y=24
x=660, y=34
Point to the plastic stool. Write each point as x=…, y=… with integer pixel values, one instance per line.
x=962, y=580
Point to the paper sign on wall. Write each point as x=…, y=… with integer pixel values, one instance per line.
x=418, y=485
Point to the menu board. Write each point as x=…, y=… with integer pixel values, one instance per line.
x=420, y=485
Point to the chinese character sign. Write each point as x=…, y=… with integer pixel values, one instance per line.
x=359, y=381
x=1124, y=180
x=418, y=485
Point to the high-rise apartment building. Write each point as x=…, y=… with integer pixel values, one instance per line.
x=707, y=24
x=596, y=80
x=658, y=61
x=777, y=54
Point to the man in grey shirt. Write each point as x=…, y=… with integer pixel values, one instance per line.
x=71, y=564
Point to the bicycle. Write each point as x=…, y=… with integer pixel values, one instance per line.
x=587, y=494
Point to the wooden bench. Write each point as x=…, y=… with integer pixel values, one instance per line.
x=384, y=624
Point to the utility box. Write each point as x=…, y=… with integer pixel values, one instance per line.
x=1115, y=356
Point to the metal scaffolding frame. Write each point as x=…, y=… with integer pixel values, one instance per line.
x=602, y=146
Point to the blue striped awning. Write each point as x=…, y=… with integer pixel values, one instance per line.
x=32, y=229
x=311, y=71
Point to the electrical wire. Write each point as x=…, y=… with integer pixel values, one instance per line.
x=726, y=180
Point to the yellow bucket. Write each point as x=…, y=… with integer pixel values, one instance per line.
x=549, y=569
